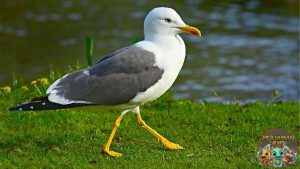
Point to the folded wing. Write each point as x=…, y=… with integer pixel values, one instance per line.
x=115, y=79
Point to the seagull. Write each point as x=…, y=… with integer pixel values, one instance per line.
x=126, y=78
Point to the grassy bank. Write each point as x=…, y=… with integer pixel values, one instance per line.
x=214, y=135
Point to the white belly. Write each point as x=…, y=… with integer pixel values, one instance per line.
x=158, y=89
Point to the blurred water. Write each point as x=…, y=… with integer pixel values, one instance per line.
x=248, y=49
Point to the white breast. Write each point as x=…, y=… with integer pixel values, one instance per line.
x=170, y=58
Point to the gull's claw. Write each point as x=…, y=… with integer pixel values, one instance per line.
x=170, y=145
x=111, y=153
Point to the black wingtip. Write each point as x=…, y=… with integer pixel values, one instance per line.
x=34, y=104
x=42, y=103
x=15, y=108
x=12, y=108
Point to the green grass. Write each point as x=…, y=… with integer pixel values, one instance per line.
x=214, y=135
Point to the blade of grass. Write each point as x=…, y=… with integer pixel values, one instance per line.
x=89, y=50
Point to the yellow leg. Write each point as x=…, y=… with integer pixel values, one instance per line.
x=106, y=146
x=159, y=137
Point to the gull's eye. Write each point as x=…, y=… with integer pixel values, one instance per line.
x=168, y=20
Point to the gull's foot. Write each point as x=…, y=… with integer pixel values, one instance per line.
x=111, y=153
x=170, y=145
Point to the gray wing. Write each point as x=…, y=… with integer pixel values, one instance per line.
x=114, y=80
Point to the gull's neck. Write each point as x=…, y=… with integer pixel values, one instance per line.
x=172, y=49
x=168, y=43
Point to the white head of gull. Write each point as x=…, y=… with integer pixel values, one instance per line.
x=165, y=22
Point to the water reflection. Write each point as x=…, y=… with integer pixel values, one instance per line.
x=248, y=49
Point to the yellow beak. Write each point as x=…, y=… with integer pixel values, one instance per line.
x=191, y=30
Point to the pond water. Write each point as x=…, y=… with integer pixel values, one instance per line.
x=247, y=50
